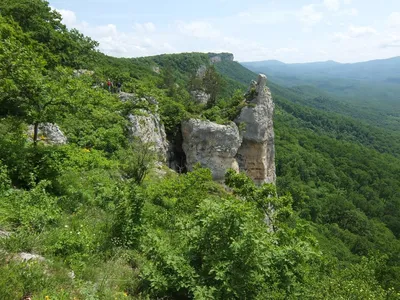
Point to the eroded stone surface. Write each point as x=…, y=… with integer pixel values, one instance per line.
x=49, y=133
x=200, y=96
x=256, y=155
x=212, y=145
x=146, y=126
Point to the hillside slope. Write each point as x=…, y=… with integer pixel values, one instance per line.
x=101, y=216
x=370, y=90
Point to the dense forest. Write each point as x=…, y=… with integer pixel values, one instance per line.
x=106, y=221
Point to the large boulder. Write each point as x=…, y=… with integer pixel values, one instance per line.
x=49, y=133
x=256, y=155
x=146, y=125
x=200, y=97
x=212, y=145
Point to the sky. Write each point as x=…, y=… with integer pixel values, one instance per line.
x=253, y=30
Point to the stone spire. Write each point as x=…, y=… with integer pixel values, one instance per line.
x=256, y=155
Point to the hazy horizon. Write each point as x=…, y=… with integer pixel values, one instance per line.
x=344, y=31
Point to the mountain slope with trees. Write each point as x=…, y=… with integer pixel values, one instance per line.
x=368, y=91
x=104, y=231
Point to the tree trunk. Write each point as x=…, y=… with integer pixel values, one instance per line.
x=35, y=133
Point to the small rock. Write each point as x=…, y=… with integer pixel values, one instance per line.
x=24, y=256
x=49, y=133
x=71, y=275
x=4, y=234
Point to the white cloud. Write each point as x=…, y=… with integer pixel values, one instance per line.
x=68, y=17
x=198, y=29
x=352, y=12
x=338, y=36
x=347, y=2
x=264, y=17
x=286, y=50
x=394, y=19
x=355, y=32
x=359, y=31
x=392, y=42
x=145, y=27
x=309, y=16
x=332, y=4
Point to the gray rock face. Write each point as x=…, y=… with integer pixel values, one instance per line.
x=212, y=145
x=256, y=155
x=215, y=59
x=201, y=71
x=200, y=96
x=156, y=69
x=80, y=72
x=49, y=133
x=146, y=125
x=220, y=147
x=23, y=256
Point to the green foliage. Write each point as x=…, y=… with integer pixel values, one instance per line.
x=93, y=207
x=213, y=83
x=136, y=161
x=30, y=211
x=5, y=181
x=218, y=246
x=127, y=225
x=43, y=25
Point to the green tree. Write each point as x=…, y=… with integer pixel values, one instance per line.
x=61, y=46
x=213, y=83
x=26, y=92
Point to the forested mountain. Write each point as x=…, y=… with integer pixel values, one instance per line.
x=382, y=70
x=368, y=91
x=103, y=220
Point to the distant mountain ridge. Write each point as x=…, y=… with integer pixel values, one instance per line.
x=384, y=70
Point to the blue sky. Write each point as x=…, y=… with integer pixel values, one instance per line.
x=287, y=30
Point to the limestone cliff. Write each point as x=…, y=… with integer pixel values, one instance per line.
x=212, y=145
x=256, y=155
x=146, y=125
x=220, y=147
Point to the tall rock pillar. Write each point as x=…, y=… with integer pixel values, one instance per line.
x=256, y=155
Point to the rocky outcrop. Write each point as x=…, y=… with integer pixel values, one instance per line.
x=156, y=69
x=49, y=133
x=256, y=155
x=217, y=58
x=24, y=256
x=201, y=71
x=220, y=147
x=200, y=96
x=212, y=145
x=146, y=125
x=80, y=72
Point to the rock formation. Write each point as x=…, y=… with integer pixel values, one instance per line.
x=212, y=145
x=80, y=72
x=201, y=97
x=146, y=125
x=256, y=155
x=201, y=71
x=49, y=133
x=156, y=69
x=220, y=147
x=217, y=58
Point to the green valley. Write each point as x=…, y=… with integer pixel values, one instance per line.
x=92, y=210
